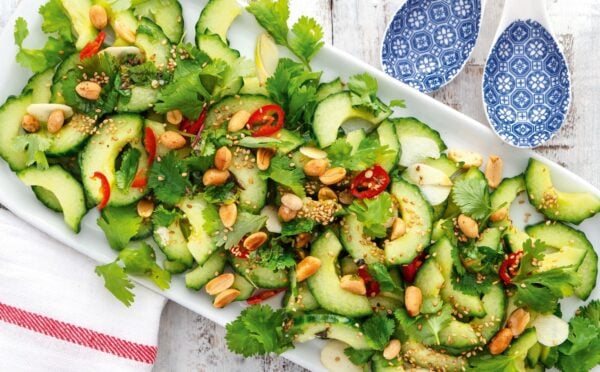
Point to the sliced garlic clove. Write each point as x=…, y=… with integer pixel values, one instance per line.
x=551, y=330
x=273, y=224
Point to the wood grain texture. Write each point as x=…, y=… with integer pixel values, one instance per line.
x=189, y=342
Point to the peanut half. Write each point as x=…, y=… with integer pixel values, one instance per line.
x=286, y=214
x=215, y=177
x=292, y=201
x=124, y=32
x=493, y=171
x=398, y=228
x=223, y=158
x=30, y=123
x=307, y=267
x=89, y=90
x=263, y=158
x=254, y=241
x=413, y=299
x=98, y=17
x=316, y=167
x=468, y=226
x=501, y=341
x=56, y=120
x=518, y=320
x=228, y=214
x=172, y=140
x=333, y=176
x=220, y=284
x=145, y=208
x=238, y=121
x=225, y=298
x=499, y=215
x=174, y=117
x=353, y=284
x=325, y=193
x=392, y=350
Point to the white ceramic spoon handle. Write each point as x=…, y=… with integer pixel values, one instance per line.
x=522, y=10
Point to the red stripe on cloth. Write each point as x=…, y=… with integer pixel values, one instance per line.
x=78, y=335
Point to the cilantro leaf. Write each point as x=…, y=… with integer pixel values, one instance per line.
x=380, y=273
x=128, y=169
x=56, y=20
x=164, y=217
x=298, y=226
x=220, y=194
x=166, y=179
x=363, y=88
x=35, y=145
x=117, y=282
x=368, y=153
x=581, y=351
x=282, y=173
x=358, y=357
x=473, y=198
x=424, y=328
x=245, y=224
x=258, y=330
x=143, y=73
x=373, y=213
x=212, y=221
x=472, y=284
x=499, y=363
x=185, y=93
x=378, y=329
x=273, y=257
x=120, y=225
x=273, y=16
x=306, y=39
x=142, y=261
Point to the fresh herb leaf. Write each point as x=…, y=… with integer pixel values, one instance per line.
x=245, y=224
x=142, y=261
x=368, y=153
x=358, y=357
x=164, y=217
x=185, y=93
x=499, y=363
x=398, y=103
x=273, y=16
x=424, y=328
x=378, y=329
x=306, y=39
x=381, y=275
x=35, y=145
x=261, y=142
x=581, y=351
x=287, y=176
x=120, y=225
x=363, y=88
x=221, y=194
x=258, y=330
x=473, y=284
x=166, y=179
x=212, y=221
x=128, y=169
x=298, y=226
x=144, y=73
x=273, y=257
x=56, y=20
x=473, y=198
x=117, y=282
x=373, y=213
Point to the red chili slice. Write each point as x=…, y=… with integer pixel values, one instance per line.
x=104, y=189
x=266, y=121
x=508, y=267
x=240, y=252
x=372, y=285
x=193, y=127
x=370, y=183
x=150, y=145
x=263, y=296
x=409, y=272
x=140, y=181
x=93, y=47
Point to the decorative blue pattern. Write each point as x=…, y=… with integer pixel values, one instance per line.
x=526, y=86
x=429, y=41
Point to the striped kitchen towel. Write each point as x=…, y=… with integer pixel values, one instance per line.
x=55, y=314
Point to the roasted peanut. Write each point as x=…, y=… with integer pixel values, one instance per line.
x=499, y=215
x=174, y=117
x=302, y=240
x=145, y=208
x=316, y=167
x=493, y=171
x=292, y=201
x=398, y=228
x=215, y=177
x=238, y=121
x=500, y=342
x=353, y=284
x=392, y=349
x=517, y=321
x=223, y=158
x=226, y=297
x=413, y=299
x=307, y=267
x=89, y=90
x=30, y=123
x=286, y=214
x=325, y=193
x=172, y=140
x=124, y=32
x=313, y=152
x=254, y=241
x=468, y=226
x=228, y=214
x=333, y=176
x=98, y=17
x=220, y=284
x=469, y=159
x=56, y=120
x=263, y=158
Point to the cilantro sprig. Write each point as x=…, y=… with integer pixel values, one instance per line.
x=368, y=153
x=473, y=198
x=373, y=213
x=581, y=351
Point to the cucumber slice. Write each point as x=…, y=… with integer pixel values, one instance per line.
x=153, y=42
x=40, y=86
x=245, y=287
x=358, y=245
x=213, y=267
x=334, y=358
x=199, y=242
x=173, y=244
x=71, y=138
x=430, y=280
x=217, y=16
x=302, y=302
x=253, y=194
x=325, y=283
x=425, y=357
x=260, y=277
x=507, y=192
x=520, y=347
x=417, y=215
x=175, y=267
x=65, y=188
x=145, y=230
x=290, y=141
x=386, y=134
x=555, y=204
x=100, y=155
x=355, y=138
x=443, y=164
x=417, y=141
x=458, y=337
x=494, y=306
x=562, y=236
x=222, y=111
x=79, y=13
x=167, y=14
x=337, y=109
x=216, y=48
x=380, y=364
x=336, y=327
x=330, y=88
x=57, y=81
x=11, y=116
x=47, y=198
x=490, y=238
x=141, y=99
x=125, y=19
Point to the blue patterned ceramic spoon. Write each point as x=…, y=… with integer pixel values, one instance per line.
x=526, y=84
x=428, y=42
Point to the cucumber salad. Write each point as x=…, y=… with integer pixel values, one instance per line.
x=258, y=181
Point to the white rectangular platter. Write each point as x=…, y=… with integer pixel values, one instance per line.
x=457, y=130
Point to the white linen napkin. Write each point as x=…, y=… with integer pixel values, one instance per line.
x=56, y=315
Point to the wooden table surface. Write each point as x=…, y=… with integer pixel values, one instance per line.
x=188, y=342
